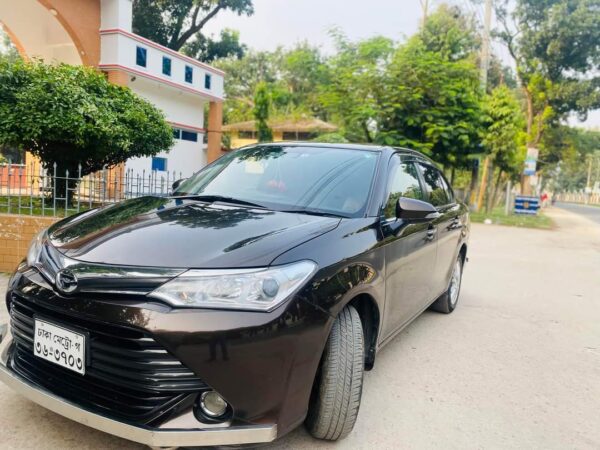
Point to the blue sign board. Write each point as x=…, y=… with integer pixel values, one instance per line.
x=526, y=205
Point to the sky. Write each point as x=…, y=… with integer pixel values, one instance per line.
x=286, y=22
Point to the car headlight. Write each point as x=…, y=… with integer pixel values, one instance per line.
x=250, y=289
x=35, y=248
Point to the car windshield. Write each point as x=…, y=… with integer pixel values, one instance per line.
x=329, y=180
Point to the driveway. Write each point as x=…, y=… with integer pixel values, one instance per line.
x=516, y=365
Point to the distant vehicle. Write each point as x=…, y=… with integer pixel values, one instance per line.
x=248, y=302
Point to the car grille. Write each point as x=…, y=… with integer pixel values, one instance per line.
x=129, y=376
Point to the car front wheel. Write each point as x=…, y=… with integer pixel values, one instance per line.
x=338, y=386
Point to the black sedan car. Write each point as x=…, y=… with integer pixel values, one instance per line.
x=246, y=303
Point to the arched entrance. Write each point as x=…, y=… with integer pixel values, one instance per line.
x=54, y=30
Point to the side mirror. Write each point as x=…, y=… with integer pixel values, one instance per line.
x=176, y=184
x=413, y=210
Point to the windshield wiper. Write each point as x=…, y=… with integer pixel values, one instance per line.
x=223, y=199
x=313, y=212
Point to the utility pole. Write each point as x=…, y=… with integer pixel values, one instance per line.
x=483, y=75
x=485, y=45
x=425, y=8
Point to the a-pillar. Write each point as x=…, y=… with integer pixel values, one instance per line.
x=215, y=122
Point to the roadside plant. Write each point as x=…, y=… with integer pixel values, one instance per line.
x=71, y=115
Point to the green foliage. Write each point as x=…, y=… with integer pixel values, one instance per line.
x=450, y=33
x=357, y=84
x=567, y=152
x=72, y=115
x=503, y=135
x=555, y=47
x=178, y=24
x=293, y=78
x=262, y=105
x=208, y=49
x=433, y=105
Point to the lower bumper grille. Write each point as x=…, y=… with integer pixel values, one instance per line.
x=130, y=375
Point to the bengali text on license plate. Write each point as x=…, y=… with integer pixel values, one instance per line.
x=60, y=346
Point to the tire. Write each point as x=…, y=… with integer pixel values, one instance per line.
x=335, y=399
x=446, y=303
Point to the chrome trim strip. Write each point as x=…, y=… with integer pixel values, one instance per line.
x=152, y=437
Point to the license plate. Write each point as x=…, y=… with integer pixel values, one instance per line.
x=59, y=345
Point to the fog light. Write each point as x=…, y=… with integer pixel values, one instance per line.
x=212, y=404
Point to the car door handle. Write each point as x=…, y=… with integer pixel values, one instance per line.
x=431, y=231
x=456, y=223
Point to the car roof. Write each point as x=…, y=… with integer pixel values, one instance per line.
x=367, y=147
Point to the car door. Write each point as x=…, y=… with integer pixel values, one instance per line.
x=409, y=249
x=448, y=225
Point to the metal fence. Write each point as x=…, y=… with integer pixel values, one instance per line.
x=588, y=198
x=33, y=190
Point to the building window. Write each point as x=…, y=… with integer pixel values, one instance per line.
x=176, y=133
x=246, y=134
x=166, y=66
x=159, y=164
x=141, y=55
x=189, y=74
x=207, y=81
x=189, y=136
x=297, y=136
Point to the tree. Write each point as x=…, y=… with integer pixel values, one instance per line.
x=502, y=138
x=450, y=33
x=178, y=24
x=353, y=95
x=431, y=105
x=71, y=116
x=293, y=78
x=262, y=105
x=555, y=46
x=567, y=152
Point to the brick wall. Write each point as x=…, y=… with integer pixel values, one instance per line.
x=16, y=232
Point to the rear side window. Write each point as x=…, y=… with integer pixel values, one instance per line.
x=402, y=182
x=437, y=189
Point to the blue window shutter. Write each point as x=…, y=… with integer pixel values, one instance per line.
x=159, y=164
x=141, y=56
x=166, y=66
x=189, y=74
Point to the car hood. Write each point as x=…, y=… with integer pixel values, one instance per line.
x=171, y=232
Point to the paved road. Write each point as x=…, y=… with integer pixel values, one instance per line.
x=517, y=365
x=589, y=212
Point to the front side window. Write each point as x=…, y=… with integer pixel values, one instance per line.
x=207, y=81
x=403, y=181
x=141, y=55
x=291, y=178
x=436, y=188
x=189, y=74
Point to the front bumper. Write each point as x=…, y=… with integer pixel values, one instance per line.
x=145, y=435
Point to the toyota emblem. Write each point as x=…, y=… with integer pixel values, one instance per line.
x=66, y=281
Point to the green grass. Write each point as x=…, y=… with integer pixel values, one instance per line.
x=34, y=207
x=498, y=217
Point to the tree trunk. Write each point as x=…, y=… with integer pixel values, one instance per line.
x=64, y=184
x=496, y=186
x=489, y=186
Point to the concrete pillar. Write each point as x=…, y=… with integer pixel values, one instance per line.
x=118, y=77
x=215, y=122
x=116, y=175
x=116, y=14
